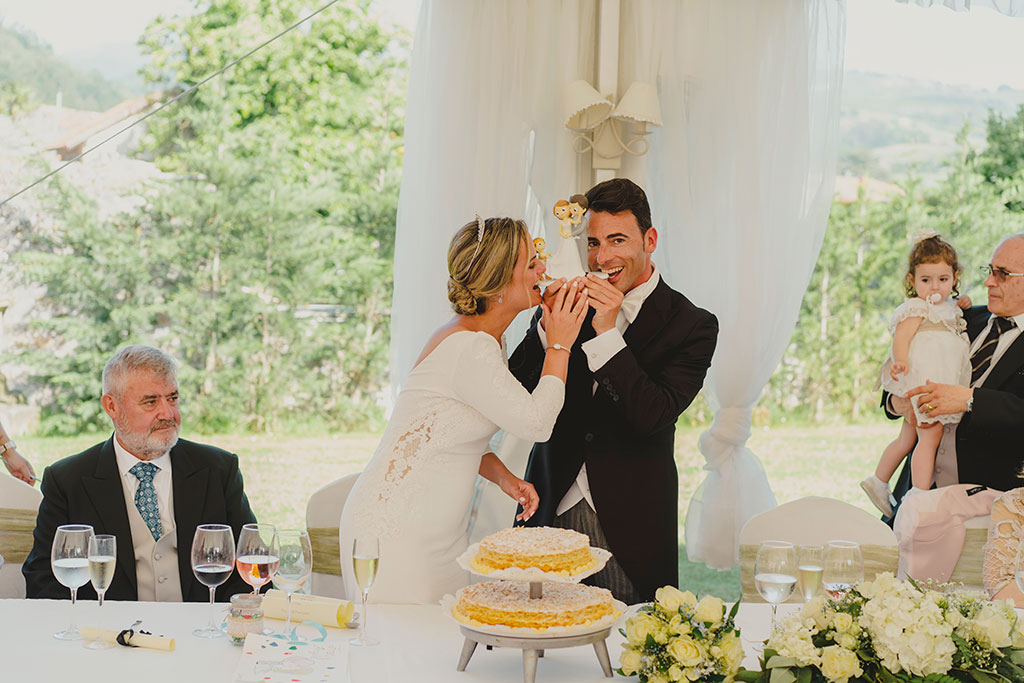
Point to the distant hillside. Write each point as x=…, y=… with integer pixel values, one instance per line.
x=890, y=124
x=25, y=59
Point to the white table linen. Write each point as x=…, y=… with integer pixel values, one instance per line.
x=418, y=642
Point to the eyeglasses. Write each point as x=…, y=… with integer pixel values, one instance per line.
x=1000, y=274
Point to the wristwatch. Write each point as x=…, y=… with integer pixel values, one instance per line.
x=9, y=446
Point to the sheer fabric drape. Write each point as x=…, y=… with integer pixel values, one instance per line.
x=1011, y=8
x=740, y=177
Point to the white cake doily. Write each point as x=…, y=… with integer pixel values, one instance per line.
x=448, y=604
x=601, y=556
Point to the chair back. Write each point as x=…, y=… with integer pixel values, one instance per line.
x=323, y=512
x=814, y=521
x=968, y=567
x=19, y=504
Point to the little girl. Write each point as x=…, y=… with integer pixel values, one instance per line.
x=928, y=343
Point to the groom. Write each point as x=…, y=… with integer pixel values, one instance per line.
x=640, y=359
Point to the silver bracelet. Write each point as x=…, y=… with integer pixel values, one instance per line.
x=9, y=446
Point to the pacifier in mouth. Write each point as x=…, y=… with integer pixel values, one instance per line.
x=934, y=298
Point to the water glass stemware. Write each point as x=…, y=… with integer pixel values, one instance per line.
x=69, y=560
x=256, y=559
x=213, y=557
x=296, y=564
x=775, y=571
x=844, y=568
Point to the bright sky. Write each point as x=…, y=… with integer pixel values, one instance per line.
x=979, y=47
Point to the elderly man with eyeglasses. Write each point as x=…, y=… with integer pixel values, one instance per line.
x=983, y=454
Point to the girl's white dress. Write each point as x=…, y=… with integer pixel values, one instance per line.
x=414, y=495
x=940, y=352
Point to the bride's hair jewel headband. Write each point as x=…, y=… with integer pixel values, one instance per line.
x=480, y=227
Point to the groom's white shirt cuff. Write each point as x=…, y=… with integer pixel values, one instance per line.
x=601, y=348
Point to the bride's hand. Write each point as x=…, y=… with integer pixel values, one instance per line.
x=523, y=493
x=564, y=316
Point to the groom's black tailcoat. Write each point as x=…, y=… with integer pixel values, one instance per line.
x=86, y=489
x=989, y=438
x=625, y=431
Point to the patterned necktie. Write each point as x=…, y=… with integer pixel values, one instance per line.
x=982, y=358
x=145, y=497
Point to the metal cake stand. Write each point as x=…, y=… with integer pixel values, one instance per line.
x=533, y=647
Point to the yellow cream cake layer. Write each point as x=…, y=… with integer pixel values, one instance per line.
x=560, y=551
x=508, y=603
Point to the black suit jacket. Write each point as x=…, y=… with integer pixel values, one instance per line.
x=989, y=450
x=625, y=432
x=86, y=489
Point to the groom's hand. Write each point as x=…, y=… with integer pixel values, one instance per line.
x=606, y=301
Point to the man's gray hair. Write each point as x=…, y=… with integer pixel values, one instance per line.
x=131, y=359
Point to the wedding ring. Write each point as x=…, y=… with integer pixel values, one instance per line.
x=929, y=407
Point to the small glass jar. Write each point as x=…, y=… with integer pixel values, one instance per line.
x=246, y=616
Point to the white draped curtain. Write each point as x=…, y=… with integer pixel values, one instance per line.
x=740, y=177
x=1011, y=8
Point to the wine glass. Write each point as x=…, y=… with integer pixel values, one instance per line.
x=296, y=553
x=844, y=568
x=365, y=563
x=810, y=566
x=256, y=559
x=775, y=573
x=102, y=560
x=69, y=560
x=213, y=556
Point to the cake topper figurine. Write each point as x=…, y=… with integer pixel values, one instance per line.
x=539, y=243
x=567, y=261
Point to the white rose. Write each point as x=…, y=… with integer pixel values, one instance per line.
x=710, y=609
x=842, y=622
x=669, y=597
x=839, y=664
x=630, y=661
x=686, y=651
x=639, y=626
x=675, y=673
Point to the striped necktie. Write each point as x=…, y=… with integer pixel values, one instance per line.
x=982, y=358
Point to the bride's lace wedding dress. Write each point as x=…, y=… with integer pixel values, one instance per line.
x=415, y=493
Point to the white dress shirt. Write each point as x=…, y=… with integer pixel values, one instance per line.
x=599, y=351
x=161, y=482
x=946, y=472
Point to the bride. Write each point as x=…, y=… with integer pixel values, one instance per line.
x=414, y=495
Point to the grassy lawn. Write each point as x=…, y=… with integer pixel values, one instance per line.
x=282, y=471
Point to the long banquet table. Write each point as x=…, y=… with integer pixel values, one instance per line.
x=418, y=643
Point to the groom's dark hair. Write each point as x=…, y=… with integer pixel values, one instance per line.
x=618, y=195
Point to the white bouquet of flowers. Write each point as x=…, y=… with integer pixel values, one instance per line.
x=678, y=638
x=889, y=631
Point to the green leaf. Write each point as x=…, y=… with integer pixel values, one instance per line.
x=778, y=661
x=781, y=675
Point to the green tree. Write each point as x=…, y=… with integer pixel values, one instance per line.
x=263, y=259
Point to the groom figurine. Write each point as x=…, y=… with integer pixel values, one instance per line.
x=640, y=359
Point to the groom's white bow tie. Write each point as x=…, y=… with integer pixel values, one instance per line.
x=631, y=306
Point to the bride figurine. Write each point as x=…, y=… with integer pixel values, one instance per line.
x=567, y=262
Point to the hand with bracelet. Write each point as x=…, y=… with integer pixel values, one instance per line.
x=18, y=466
x=562, y=319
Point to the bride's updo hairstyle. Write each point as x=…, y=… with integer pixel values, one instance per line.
x=481, y=264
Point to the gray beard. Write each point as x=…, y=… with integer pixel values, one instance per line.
x=145, y=446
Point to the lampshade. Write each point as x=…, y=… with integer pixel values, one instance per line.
x=584, y=106
x=640, y=104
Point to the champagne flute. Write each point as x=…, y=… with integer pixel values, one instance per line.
x=213, y=556
x=365, y=563
x=775, y=573
x=69, y=560
x=102, y=560
x=296, y=553
x=810, y=566
x=844, y=568
x=256, y=560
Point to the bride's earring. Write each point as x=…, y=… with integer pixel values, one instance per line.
x=500, y=298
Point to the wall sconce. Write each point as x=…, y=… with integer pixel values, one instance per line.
x=600, y=123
